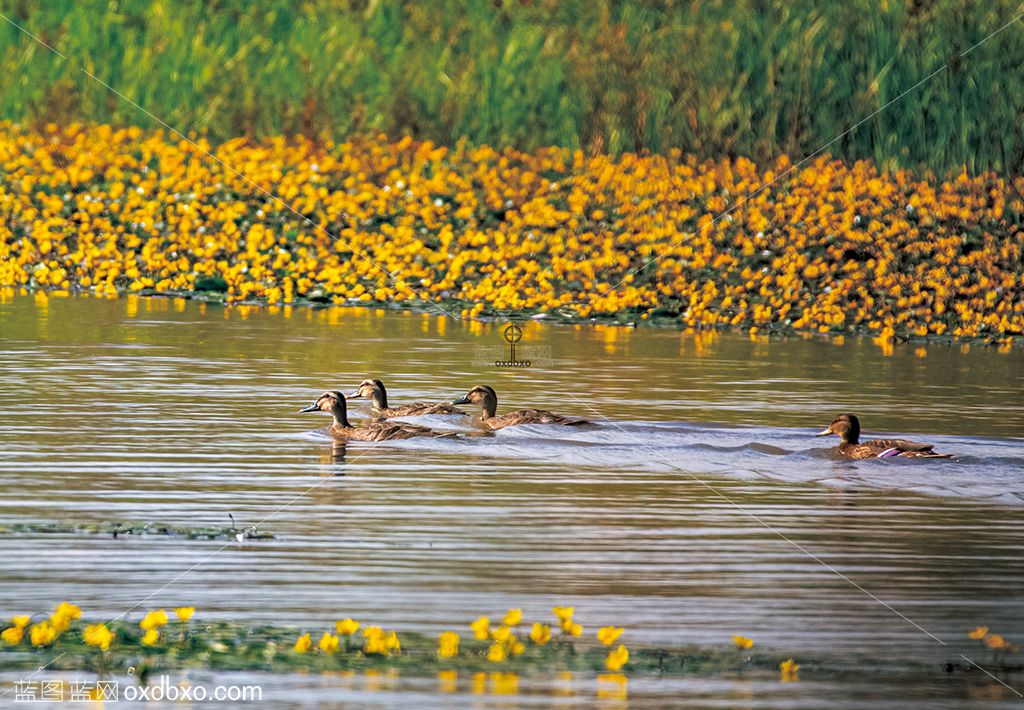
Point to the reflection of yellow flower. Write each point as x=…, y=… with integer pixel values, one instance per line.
x=346, y=627
x=151, y=637
x=303, y=643
x=153, y=620
x=540, y=634
x=448, y=644
x=448, y=681
x=497, y=652
x=12, y=635
x=513, y=617
x=978, y=633
x=609, y=634
x=184, y=613
x=328, y=642
x=98, y=635
x=788, y=670
x=481, y=628
x=612, y=686
x=505, y=683
x=742, y=642
x=617, y=658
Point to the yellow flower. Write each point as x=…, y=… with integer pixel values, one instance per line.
x=448, y=644
x=497, y=652
x=98, y=635
x=996, y=642
x=481, y=628
x=63, y=615
x=787, y=671
x=21, y=622
x=540, y=634
x=71, y=611
x=42, y=634
x=742, y=642
x=303, y=643
x=609, y=634
x=184, y=613
x=153, y=620
x=564, y=614
x=573, y=629
x=328, y=643
x=513, y=617
x=346, y=627
x=151, y=637
x=501, y=634
x=391, y=643
x=13, y=635
x=516, y=648
x=978, y=633
x=616, y=659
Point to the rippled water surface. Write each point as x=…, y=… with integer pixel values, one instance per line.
x=698, y=505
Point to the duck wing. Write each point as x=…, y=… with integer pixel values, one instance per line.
x=537, y=416
x=899, y=444
x=420, y=408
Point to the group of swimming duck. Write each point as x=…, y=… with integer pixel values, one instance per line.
x=378, y=428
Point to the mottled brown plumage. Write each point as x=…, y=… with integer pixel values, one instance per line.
x=847, y=428
x=374, y=390
x=334, y=403
x=486, y=397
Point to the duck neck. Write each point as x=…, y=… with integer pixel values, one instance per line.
x=490, y=408
x=340, y=416
x=380, y=399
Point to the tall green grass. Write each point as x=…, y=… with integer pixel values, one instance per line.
x=747, y=77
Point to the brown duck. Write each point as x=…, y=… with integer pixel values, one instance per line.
x=374, y=390
x=485, y=396
x=334, y=402
x=847, y=428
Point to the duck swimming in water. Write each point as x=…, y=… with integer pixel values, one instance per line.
x=486, y=397
x=847, y=428
x=334, y=402
x=374, y=390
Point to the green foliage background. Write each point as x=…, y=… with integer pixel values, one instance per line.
x=749, y=77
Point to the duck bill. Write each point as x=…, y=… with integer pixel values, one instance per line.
x=352, y=395
x=464, y=400
x=824, y=433
x=310, y=408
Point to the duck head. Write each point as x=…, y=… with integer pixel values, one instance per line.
x=332, y=402
x=483, y=396
x=371, y=389
x=846, y=427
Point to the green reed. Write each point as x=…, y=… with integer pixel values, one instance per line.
x=748, y=77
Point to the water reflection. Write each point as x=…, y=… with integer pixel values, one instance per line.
x=182, y=414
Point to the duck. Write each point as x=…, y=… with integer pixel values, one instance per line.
x=487, y=398
x=374, y=390
x=847, y=428
x=334, y=403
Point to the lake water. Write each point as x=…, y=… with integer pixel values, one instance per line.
x=698, y=505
